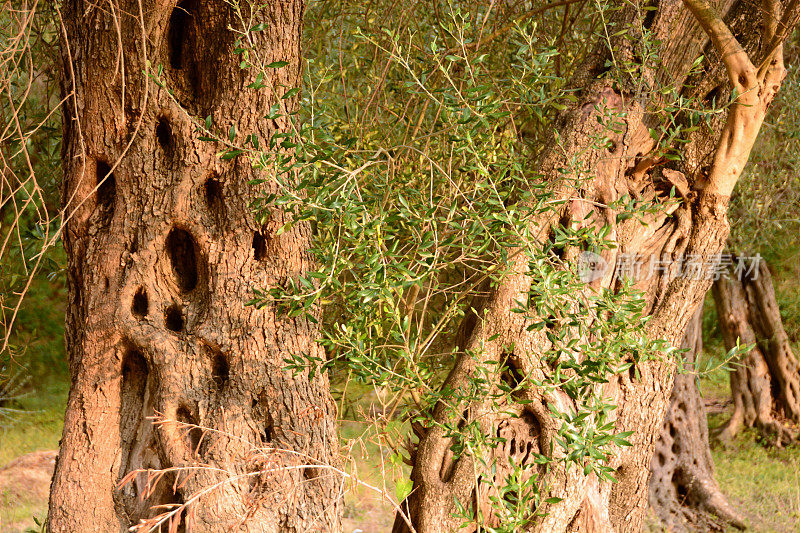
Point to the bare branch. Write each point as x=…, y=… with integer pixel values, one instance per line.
x=771, y=9
x=740, y=69
x=755, y=89
x=791, y=16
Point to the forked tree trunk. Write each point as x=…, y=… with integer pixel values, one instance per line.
x=697, y=229
x=683, y=492
x=765, y=382
x=163, y=255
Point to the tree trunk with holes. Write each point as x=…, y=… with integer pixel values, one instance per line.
x=683, y=492
x=697, y=228
x=765, y=382
x=164, y=253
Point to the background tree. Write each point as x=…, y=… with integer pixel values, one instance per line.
x=163, y=251
x=765, y=381
x=761, y=212
x=684, y=495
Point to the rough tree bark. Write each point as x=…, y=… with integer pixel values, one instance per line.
x=697, y=228
x=683, y=492
x=163, y=254
x=765, y=382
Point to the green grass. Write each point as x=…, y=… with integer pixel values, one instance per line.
x=36, y=425
x=372, y=461
x=763, y=482
x=41, y=358
x=16, y=515
x=36, y=430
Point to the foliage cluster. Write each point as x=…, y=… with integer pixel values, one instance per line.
x=30, y=142
x=413, y=158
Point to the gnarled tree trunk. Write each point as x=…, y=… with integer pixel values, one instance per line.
x=683, y=492
x=697, y=228
x=163, y=255
x=765, y=382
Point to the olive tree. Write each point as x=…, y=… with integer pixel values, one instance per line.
x=178, y=387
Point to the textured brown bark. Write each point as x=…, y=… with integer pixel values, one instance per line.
x=683, y=492
x=163, y=255
x=765, y=382
x=697, y=228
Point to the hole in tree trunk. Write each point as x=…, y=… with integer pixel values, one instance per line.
x=187, y=55
x=179, y=22
x=712, y=97
x=106, y=192
x=173, y=318
x=260, y=411
x=140, y=304
x=775, y=388
x=259, y=246
x=649, y=18
x=134, y=374
x=212, y=190
x=462, y=422
x=556, y=238
x=164, y=136
x=680, y=488
x=220, y=369
x=132, y=392
x=266, y=435
x=512, y=375
x=175, y=499
x=183, y=256
x=192, y=433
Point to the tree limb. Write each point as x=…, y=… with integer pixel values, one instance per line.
x=737, y=63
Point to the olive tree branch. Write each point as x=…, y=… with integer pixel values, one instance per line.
x=754, y=89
